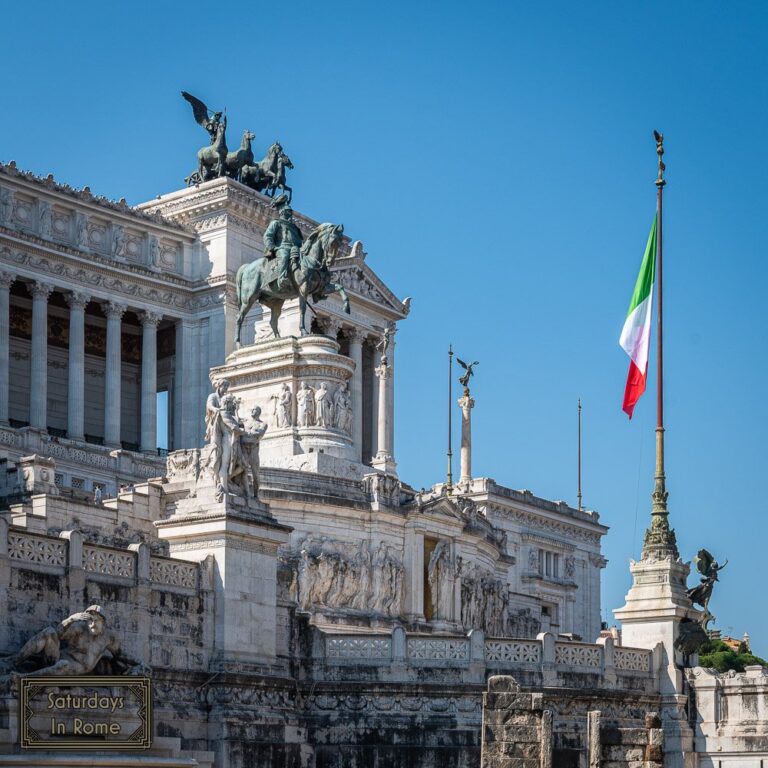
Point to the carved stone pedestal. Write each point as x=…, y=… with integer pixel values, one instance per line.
x=241, y=538
x=302, y=387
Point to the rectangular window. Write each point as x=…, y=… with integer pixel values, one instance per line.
x=162, y=420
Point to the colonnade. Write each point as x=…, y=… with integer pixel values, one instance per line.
x=38, y=394
x=382, y=401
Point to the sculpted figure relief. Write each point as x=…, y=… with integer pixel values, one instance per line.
x=305, y=399
x=323, y=406
x=282, y=407
x=6, y=206
x=118, y=242
x=79, y=645
x=342, y=408
x=154, y=252
x=341, y=575
x=438, y=572
x=46, y=220
x=81, y=231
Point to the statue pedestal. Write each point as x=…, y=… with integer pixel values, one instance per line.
x=655, y=606
x=242, y=537
x=273, y=375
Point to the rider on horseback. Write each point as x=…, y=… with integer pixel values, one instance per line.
x=283, y=239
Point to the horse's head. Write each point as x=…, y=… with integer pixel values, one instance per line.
x=326, y=239
x=248, y=137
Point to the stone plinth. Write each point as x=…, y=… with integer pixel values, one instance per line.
x=275, y=375
x=242, y=537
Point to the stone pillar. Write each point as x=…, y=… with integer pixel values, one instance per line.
x=356, y=353
x=466, y=403
x=594, y=746
x=6, y=278
x=112, y=400
x=38, y=383
x=391, y=392
x=374, y=414
x=149, y=323
x=76, y=391
x=187, y=417
x=383, y=459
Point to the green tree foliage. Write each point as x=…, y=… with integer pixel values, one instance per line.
x=715, y=654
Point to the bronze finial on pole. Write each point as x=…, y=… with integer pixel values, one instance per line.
x=578, y=492
x=659, y=537
x=449, y=480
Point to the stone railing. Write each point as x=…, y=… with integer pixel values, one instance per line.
x=546, y=660
x=119, y=463
x=68, y=552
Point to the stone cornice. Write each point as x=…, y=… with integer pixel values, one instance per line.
x=86, y=198
x=136, y=286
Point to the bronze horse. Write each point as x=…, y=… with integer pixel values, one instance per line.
x=268, y=175
x=257, y=280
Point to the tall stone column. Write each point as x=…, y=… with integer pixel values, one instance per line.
x=466, y=403
x=356, y=354
x=6, y=278
x=38, y=383
x=112, y=396
x=383, y=459
x=149, y=323
x=76, y=391
x=391, y=393
x=374, y=402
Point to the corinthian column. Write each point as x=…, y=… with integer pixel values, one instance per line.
x=391, y=393
x=356, y=353
x=149, y=322
x=6, y=278
x=112, y=400
x=38, y=384
x=76, y=395
x=466, y=403
x=383, y=459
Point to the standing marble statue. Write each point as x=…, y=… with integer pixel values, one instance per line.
x=213, y=407
x=283, y=407
x=81, y=231
x=437, y=573
x=46, y=220
x=342, y=408
x=154, y=252
x=118, y=242
x=255, y=430
x=323, y=406
x=229, y=463
x=6, y=206
x=305, y=399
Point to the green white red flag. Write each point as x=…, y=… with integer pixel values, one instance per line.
x=635, y=337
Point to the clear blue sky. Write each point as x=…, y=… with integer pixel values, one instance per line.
x=496, y=160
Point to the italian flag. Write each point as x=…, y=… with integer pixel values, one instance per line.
x=636, y=334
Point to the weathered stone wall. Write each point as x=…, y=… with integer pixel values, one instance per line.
x=566, y=728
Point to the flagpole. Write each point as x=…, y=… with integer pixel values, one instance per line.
x=449, y=480
x=660, y=538
x=578, y=493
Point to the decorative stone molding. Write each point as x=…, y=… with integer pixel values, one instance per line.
x=513, y=651
x=632, y=659
x=173, y=573
x=578, y=654
x=437, y=650
x=39, y=550
x=109, y=562
x=358, y=648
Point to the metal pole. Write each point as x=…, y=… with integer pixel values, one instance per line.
x=578, y=494
x=449, y=481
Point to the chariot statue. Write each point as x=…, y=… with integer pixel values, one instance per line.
x=215, y=160
x=291, y=268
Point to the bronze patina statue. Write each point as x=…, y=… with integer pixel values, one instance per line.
x=708, y=567
x=469, y=372
x=291, y=268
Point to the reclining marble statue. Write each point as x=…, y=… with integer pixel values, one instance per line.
x=79, y=645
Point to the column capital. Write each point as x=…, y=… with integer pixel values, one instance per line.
x=40, y=290
x=77, y=299
x=150, y=319
x=331, y=326
x=114, y=309
x=6, y=278
x=355, y=335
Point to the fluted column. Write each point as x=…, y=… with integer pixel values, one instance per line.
x=383, y=459
x=356, y=353
x=374, y=415
x=391, y=393
x=6, y=279
x=38, y=383
x=76, y=392
x=149, y=322
x=112, y=397
x=466, y=403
